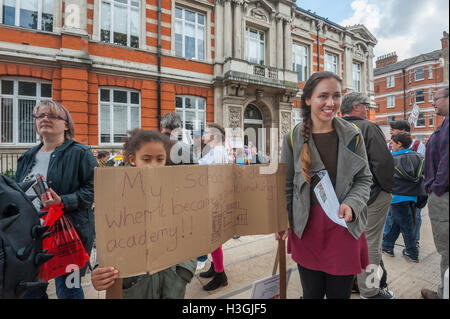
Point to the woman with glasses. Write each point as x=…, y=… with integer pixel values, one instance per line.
x=68, y=169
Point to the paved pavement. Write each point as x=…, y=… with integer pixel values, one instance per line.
x=250, y=258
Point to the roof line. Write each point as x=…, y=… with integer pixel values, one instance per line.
x=321, y=18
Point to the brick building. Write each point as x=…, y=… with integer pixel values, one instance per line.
x=121, y=64
x=399, y=85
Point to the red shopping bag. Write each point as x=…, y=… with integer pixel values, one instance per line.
x=64, y=243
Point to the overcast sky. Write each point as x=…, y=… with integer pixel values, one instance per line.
x=408, y=27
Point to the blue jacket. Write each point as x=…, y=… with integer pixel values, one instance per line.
x=71, y=176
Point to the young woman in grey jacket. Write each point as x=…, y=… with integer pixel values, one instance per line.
x=327, y=254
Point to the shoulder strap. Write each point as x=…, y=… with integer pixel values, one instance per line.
x=291, y=136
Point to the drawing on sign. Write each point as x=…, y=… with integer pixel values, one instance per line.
x=228, y=219
x=216, y=228
x=241, y=217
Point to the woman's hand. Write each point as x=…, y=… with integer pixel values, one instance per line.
x=346, y=212
x=56, y=200
x=284, y=235
x=103, y=278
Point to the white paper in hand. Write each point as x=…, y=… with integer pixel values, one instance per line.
x=327, y=198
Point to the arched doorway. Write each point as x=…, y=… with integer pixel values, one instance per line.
x=254, y=127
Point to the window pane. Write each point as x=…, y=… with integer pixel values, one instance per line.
x=178, y=102
x=106, y=16
x=9, y=12
x=29, y=14
x=104, y=95
x=201, y=19
x=120, y=25
x=6, y=124
x=189, y=103
x=262, y=53
x=120, y=96
x=27, y=88
x=201, y=49
x=134, y=113
x=178, y=45
x=178, y=13
x=135, y=4
x=135, y=23
x=252, y=50
x=189, y=121
x=26, y=123
x=421, y=119
x=189, y=41
x=420, y=96
x=189, y=16
x=104, y=124
x=134, y=98
x=120, y=123
x=431, y=119
x=201, y=104
x=46, y=90
x=7, y=87
x=47, y=15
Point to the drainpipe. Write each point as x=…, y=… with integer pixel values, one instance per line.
x=158, y=81
x=404, y=94
x=318, y=46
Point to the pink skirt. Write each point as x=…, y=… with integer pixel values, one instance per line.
x=328, y=247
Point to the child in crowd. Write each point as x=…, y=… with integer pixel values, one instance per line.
x=214, y=139
x=146, y=149
x=408, y=185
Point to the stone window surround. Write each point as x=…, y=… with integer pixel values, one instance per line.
x=57, y=17
x=200, y=7
x=111, y=103
x=338, y=53
x=309, y=43
x=249, y=22
x=363, y=72
x=96, y=25
x=15, y=96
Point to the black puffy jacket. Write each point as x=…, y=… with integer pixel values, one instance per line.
x=409, y=174
x=71, y=176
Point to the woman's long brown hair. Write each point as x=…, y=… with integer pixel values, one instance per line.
x=305, y=155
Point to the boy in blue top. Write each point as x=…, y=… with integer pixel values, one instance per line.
x=408, y=185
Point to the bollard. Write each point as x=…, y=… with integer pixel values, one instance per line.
x=446, y=284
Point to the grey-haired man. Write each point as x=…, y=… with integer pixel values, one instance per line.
x=180, y=153
x=354, y=109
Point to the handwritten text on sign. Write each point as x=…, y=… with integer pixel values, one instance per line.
x=149, y=219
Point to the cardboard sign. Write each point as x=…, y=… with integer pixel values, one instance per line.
x=148, y=219
x=414, y=115
x=269, y=287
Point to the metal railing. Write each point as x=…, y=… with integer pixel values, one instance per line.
x=8, y=163
x=269, y=72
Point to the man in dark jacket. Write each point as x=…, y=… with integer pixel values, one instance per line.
x=354, y=109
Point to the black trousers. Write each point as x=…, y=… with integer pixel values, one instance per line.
x=318, y=284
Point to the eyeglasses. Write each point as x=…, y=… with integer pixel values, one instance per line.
x=51, y=117
x=366, y=105
x=435, y=99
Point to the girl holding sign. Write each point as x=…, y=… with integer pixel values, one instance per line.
x=146, y=149
x=327, y=254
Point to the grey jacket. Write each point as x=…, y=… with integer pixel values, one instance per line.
x=353, y=177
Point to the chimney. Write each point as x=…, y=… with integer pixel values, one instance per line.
x=386, y=59
x=444, y=40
